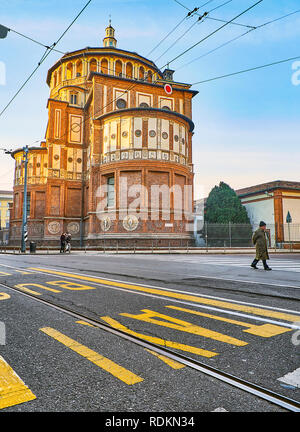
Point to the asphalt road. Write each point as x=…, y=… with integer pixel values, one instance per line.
x=215, y=309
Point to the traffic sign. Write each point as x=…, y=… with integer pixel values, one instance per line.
x=168, y=89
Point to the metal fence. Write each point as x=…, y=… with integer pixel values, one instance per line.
x=240, y=235
x=4, y=237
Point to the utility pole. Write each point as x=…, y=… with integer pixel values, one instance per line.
x=24, y=218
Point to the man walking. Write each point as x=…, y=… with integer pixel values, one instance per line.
x=260, y=241
x=62, y=243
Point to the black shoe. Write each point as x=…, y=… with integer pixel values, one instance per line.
x=268, y=268
x=254, y=266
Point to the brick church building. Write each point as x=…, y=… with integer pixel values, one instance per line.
x=116, y=162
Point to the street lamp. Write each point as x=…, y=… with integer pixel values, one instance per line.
x=24, y=219
x=24, y=216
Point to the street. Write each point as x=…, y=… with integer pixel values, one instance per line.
x=213, y=309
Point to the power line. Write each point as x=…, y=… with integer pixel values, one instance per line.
x=211, y=34
x=180, y=37
x=247, y=70
x=43, y=58
x=238, y=37
x=167, y=36
x=217, y=19
x=33, y=40
x=201, y=19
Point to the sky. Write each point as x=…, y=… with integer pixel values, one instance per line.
x=246, y=126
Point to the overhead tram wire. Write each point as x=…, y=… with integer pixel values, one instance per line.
x=43, y=58
x=189, y=15
x=217, y=19
x=238, y=37
x=201, y=19
x=211, y=34
x=33, y=40
x=247, y=70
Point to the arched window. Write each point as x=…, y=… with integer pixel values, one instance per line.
x=59, y=76
x=55, y=79
x=149, y=76
x=129, y=70
x=142, y=73
x=104, y=66
x=144, y=105
x=93, y=65
x=118, y=68
x=79, y=68
x=69, y=71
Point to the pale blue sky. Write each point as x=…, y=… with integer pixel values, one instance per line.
x=246, y=126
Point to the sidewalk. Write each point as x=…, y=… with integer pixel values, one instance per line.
x=183, y=251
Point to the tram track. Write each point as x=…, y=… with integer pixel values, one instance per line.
x=241, y=384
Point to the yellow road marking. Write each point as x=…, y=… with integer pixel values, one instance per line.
x=4, y=274
x=158, y=341
x=265, y=330
x=4, y=296
x=104, y=363
x=85, y=323
x=13, y=391
x=185, y=326
x=23, y=287
x=172, y=363
x=71, y=285
x=188, y=297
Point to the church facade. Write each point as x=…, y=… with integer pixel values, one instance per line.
x=116, y=162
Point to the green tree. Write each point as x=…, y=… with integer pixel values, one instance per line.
x=224, y=206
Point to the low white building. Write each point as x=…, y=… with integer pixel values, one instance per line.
x=271, y=203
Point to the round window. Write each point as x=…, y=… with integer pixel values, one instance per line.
x=125, y=134
x=121, y=103
x=138, y=133
x=165, y=135
x=70, y=159
x=144, y=105
x=176, y=138
x=152, y=133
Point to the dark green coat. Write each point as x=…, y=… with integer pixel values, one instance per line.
x=260, y=241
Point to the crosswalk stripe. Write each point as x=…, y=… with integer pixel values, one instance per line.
x=13, y=391
x=292, y=378
x=113, y=368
